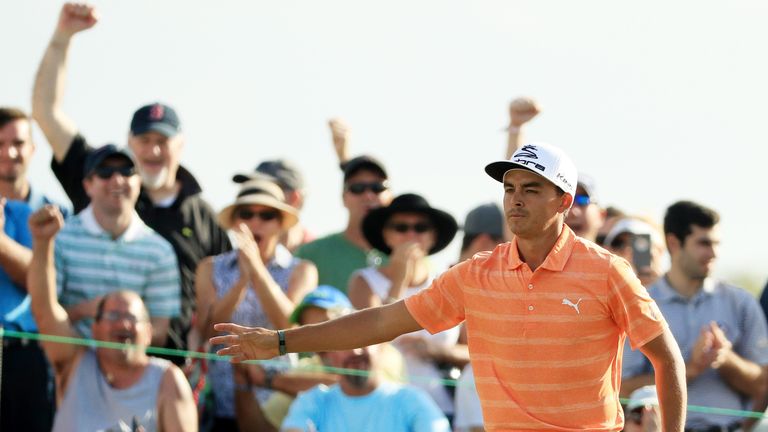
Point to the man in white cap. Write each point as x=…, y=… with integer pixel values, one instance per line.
x=547, y=314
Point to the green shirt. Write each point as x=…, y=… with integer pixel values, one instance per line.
x=336, y=258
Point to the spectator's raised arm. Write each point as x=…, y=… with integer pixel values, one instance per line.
x=41, y=283
x=50, y=82
x=340, y=137
x=521, y=111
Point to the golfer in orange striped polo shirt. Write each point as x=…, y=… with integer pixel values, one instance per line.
x=546, y=315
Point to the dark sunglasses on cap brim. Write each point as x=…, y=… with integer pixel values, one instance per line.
x=360, y=188
x=106, y=172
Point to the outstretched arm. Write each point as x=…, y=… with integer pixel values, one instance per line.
x=51, y=318
x=669, y=369
x=360, y=329
x=48, y=91
x=521, y=111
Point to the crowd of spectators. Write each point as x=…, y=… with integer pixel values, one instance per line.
x=140, y=259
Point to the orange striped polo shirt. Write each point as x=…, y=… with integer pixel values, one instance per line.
x=546, y=346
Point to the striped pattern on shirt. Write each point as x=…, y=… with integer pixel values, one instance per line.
x=89, y=265
x=546, y=346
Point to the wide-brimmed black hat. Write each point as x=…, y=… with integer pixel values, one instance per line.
x=374, y=222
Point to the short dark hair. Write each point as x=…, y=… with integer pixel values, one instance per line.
x=682, y=215
x=9, y=114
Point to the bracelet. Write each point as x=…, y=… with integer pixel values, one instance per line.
x=281, y=342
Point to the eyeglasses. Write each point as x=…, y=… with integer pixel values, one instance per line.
x=419, y=228
x=115, y=316
x=582, y=200
x=106, y=172
x=360, y=188
x=264, y=215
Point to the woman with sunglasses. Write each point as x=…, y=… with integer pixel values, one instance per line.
x=409, y=230
x=257, y=284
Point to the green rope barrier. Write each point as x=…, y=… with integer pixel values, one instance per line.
x=92, y=343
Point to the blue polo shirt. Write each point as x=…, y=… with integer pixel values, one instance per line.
x=15, y=313
x=739, y=316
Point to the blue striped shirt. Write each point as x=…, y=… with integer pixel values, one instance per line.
x=89, y=264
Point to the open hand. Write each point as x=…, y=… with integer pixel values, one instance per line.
x=246, y=343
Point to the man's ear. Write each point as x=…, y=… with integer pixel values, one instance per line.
x=566, y=200
x=673, y=243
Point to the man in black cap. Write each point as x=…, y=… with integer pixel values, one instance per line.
x=170, y=200
x=338, y=255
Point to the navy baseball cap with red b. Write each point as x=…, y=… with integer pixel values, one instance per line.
x=156, y=117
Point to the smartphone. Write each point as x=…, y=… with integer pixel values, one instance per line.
x=641, y=251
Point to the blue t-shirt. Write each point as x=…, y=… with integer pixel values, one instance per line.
x=15, y=313
x=389, y=408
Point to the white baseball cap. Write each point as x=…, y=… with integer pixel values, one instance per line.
x=543, y=159
x=633, y=226
x=643, y=396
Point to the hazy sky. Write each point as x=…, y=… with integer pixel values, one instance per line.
x=659, y=101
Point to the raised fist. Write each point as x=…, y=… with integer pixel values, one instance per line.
x=76, y=17
x=46, y=222
x=521, y=111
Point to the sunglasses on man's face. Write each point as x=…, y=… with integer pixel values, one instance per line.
x=402, y=228
x=581, y=200
x=106, y=172
x=360, y=188
x=115, y=316
x=264, y=215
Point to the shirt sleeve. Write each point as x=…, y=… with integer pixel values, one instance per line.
x=441, y=305
x=163, y=291
x=633, y=309
x=69, y=172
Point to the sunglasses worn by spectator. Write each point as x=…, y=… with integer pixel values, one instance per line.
x=419, y=228
x=106, y=172
x=264, y=215
x=360, y=188
x=582, y=200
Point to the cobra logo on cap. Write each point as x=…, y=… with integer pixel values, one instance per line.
x=527, y=152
